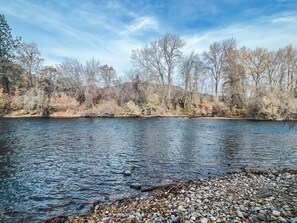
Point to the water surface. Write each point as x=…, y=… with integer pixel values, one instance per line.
x=51, y=167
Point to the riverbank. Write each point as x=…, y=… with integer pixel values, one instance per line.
x=250, y=196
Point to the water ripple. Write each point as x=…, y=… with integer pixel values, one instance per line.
x=51, y=167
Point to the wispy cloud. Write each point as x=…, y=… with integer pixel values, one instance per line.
x=141, y=24
x=269, y=32
x=109, y=30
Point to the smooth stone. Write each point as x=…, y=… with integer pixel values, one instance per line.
x=127, y=172
x=293, y=220
x=106, y=219
x=276, y=213
x=132, y=217
x=193, y=218
x=257, y=209
x=212, y=218
x=176, y=219
x=204, y=220
x=261, y=217
x=281, y=219
x=121, y=215
x=239, y=214
x=192, y=189
x=243, y=208
x=181, y=208
x=136, y=186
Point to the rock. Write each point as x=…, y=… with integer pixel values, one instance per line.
x=261, y=217
x=257, y=209
x=105, y=219
x=127, y=172
x=135, y=186
x=239, y=214
x=293, y=220
x=181, y=208
x=193, y=218
x=176, y=219
x=212, y=218
x=132, y=217
x=204, y=220
x=281, y=219
x=121, y=215
x=276, y=213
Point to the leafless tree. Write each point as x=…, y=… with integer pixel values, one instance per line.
x=171, y=46
x=28, y=56
x=158, y=60
x=215, y=60
x=255, y=62
x=190, y=69
x=234, y=86
x=70, y=81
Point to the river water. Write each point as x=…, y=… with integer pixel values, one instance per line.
x=51, y=167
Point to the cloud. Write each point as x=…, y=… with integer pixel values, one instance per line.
x=141, y=24
x=108, y=31
x=268, y=32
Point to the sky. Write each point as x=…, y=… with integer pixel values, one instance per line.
x=108, y=30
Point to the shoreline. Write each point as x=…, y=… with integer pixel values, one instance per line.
x=142, y=117
x=247, y=196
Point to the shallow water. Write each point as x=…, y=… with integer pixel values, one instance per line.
x=51, y=167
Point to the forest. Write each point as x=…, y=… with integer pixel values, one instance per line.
x=226, y=80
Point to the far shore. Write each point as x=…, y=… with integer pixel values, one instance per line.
x=54, y=116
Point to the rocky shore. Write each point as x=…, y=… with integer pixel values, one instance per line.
x=250, y=196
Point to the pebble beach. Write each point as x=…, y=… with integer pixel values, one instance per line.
x=249, y=196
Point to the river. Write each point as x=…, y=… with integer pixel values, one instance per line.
x=51, y=167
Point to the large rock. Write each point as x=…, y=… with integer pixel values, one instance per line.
x=135, y=186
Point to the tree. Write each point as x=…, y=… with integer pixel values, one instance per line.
x=158, y=60
x=148, y=61
x=190, y=69
x=255, y=62
x=91, y=78
x=234, y=80
x=7, y=45
x=171, y=46
x=215, y=60
x=28, y=56
x=7, y=42
x=290, y=65
x=70, y=81
x=274, y=71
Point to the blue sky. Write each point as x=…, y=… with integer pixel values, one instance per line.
x=109, y=30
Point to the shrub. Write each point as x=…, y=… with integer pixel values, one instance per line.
x=132, y=109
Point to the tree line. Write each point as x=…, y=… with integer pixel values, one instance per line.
x=223, y=80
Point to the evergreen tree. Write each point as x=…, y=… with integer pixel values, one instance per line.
x=7, y=45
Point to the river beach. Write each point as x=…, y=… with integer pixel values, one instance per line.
x=249, y=196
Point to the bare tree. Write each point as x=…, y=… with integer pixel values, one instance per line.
x=28, y=56
x=215, y=60
x=148, y=61
x=190, y=69
x=108, y=76
x=290, y=64
x=255, y=62
x=70, y=73
x=234, y=86
x=171, y=46
x=274, y=71
x=158, y=60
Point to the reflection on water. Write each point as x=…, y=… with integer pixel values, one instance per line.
x=51, y=167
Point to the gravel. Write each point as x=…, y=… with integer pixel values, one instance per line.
x=251, y=196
